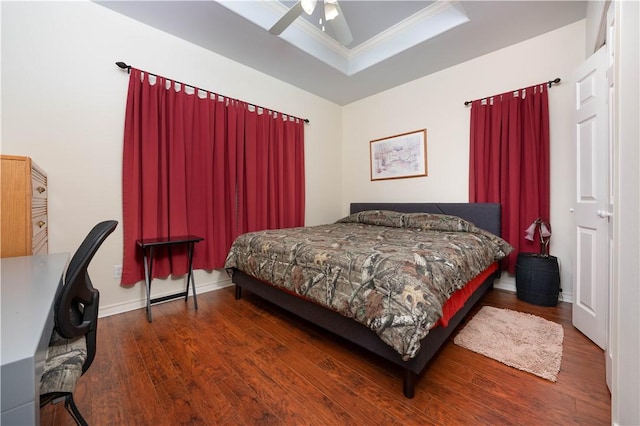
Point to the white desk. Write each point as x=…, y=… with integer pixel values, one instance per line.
x=29, y=286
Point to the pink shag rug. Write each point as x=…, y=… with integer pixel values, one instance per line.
x=524, y=341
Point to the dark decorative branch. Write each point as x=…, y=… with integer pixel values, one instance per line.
x=544, y=233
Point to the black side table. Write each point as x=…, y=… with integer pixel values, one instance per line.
x=147, y=245
x=538, y=279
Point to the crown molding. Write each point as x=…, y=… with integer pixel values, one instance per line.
x=435, y=19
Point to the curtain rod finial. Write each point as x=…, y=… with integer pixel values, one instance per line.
x=124, y=66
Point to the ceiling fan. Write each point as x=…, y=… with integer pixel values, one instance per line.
x=333, y=16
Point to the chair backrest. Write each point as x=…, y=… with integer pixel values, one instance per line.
x=76, y=307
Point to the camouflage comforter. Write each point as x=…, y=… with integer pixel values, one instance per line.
x=390, y=271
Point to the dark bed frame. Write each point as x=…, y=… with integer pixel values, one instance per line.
x=483, y=215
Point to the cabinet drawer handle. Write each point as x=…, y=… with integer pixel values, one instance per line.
x=41, y=224
x=41, y=189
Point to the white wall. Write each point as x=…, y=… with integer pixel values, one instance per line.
x=436, y=102
x=63, y=102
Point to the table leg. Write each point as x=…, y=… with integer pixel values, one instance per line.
x=190, y=277
x=147, y=278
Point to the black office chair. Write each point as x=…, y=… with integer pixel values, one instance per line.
x=73, y=344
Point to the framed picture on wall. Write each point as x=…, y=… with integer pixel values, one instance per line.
x=399, y=156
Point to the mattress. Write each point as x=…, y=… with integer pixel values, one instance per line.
x=391, y=271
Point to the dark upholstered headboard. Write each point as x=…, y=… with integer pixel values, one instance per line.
x=483, y=215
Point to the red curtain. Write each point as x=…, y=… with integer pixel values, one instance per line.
x=272, y=191
x=509, y=161
x=204, y=165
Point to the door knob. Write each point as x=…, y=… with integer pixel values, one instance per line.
x=604, y=214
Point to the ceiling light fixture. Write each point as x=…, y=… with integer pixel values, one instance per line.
x=308, y=6
x=334, y=17
x=330, y=10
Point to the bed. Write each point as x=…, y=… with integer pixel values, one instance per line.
x=427, y=311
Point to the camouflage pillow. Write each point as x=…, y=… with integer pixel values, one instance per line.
x=376, y=217
x=437, y=222
x=427, y=221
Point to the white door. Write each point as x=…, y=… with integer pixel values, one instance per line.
x=611, y=89
x=591, y=209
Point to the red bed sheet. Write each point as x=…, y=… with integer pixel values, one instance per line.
x=458, y=299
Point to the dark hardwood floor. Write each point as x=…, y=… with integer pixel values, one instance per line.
x=248, y=362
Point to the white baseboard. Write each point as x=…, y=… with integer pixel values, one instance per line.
x=511, y=288
x=120, y=308
x=506, y=282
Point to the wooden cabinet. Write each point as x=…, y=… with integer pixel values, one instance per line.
x=23, y=207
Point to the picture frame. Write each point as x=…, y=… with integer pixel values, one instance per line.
x=399, y=156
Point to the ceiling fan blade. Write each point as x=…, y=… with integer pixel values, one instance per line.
x=340, y=27
x=287, y=19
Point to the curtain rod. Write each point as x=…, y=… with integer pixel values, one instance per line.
x=128, y=68
x=550, y=82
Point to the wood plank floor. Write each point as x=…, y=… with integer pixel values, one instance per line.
x=247, y=362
